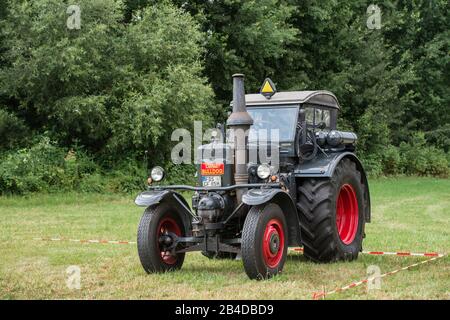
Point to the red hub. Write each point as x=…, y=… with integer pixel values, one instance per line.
x=347, y=214
x=166, y=226
x=273, y=243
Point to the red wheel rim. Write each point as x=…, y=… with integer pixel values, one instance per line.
x=347, y=214
x=273, y=243
x=167, y=225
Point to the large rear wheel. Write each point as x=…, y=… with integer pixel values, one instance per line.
x=264, y=241
x=332, y=214
x=156, y=231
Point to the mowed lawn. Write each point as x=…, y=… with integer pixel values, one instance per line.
x=408, y=214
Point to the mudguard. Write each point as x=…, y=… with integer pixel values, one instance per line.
x=323, y=166
x=254, y=197
x=152, y=198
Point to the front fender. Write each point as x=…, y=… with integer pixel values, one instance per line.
x=254, y=197
x=152, y=198
x=148, y=198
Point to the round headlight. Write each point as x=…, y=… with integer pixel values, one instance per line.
x=157, y=174
x=263, y=171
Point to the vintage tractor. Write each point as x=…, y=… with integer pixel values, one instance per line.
x=315, y=196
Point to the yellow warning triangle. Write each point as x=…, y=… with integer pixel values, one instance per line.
x=267, y=88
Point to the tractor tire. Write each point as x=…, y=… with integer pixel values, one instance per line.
x=264, y=241
x=155, y=222
x=220, y=255
x=331, y=214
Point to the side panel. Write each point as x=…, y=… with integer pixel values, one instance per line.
x=323, y=167
x=254, y=197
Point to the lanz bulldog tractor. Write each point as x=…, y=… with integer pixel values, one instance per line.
x=316, y=196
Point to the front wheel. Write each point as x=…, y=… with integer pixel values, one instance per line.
x=156, y=230
x=264, y=241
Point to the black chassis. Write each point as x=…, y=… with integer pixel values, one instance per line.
x=258, y=193
x=283, y=194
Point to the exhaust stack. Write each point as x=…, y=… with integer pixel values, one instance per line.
x=239, y=122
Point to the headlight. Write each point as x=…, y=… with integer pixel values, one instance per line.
x=157, y=174
x=263, y=171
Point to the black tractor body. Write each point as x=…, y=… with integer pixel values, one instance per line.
x=258, y=194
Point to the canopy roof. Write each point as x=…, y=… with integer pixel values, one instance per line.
x=320, y=97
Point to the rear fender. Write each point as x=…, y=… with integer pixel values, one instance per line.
x=254, y=197
x=153, y=198
x=323, y=166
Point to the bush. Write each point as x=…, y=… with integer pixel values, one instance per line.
x=438, y=164
x=373, y=132
x=128, y=176
x=91, y=183
x=180, y=174
x=417, y=157
x=440, y=137
x=44, y=167
x=390, y=160
x=372, y=164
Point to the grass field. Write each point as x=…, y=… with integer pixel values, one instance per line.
x=408, y=214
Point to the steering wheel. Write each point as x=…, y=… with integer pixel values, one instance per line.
x=307, y=150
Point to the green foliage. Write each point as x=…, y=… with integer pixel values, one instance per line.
x=127, y=176
x=440, y=137
x=136, y=70
x=391, y=160
x=12, y=130
x=373, y=164
x=181, y=173
x=242, y=36
x=113, y=88
x=167, y=91
x=44, y=167
x=419, y=34
x=374, y=134
x=417, y=157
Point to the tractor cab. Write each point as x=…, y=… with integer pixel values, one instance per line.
x=290, y=114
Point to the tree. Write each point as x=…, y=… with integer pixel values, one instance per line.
x=242, y=36
x=114, y=88
x=418, y=33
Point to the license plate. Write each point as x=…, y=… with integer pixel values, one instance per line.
x=212, y=181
